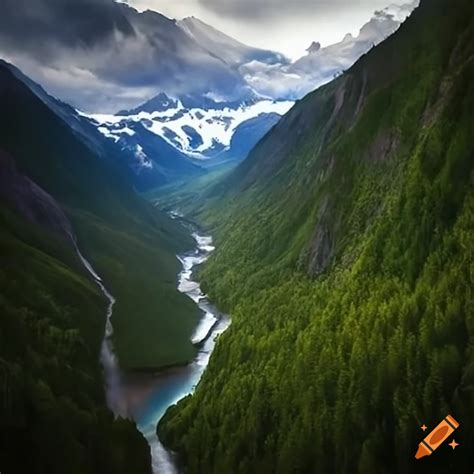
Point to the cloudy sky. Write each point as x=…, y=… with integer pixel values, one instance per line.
x=287, y=26
x=99, y=55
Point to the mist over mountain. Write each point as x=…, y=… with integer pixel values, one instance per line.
x=231, y=51
x=321, y=65
x=104, y=56
x=180, y=88
x=116, y=61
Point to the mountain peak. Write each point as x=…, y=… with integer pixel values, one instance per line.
x=314, y=47
x=220, y=45
x=159, y=103
x=348, y=38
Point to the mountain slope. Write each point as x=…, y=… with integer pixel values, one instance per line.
x=56, y=190
x=51, y=327
x=190, y=127
x=115, y=227
x=345, y=253
x=232, y=52
x=246, y=136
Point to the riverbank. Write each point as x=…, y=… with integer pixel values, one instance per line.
x=149, y=394
x=140, y=272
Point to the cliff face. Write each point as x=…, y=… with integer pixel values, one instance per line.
x=344, y=253
x=30, y=201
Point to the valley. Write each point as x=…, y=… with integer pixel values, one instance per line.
x=148, y=396
x=344, y=255
x=217, y=259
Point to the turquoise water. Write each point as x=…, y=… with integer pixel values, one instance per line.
x=148, y=396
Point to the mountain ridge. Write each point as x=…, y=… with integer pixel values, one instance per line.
x=233, y=52
x=344, y=254
x=199, y=129
x=53, y=318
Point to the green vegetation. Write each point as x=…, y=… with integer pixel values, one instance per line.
x=53, y=416
x=129, y=243
x=345, y=253
x=152, y=321
x=183, y=195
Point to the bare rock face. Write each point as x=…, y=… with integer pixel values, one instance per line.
x=348, y=38
x=31, y=201
x=384, y=146
x=314, y=47
x=321, y=248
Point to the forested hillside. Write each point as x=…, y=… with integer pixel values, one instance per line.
x=345, y=255
x=132, y=246
x=53, y=417
x=54, y=190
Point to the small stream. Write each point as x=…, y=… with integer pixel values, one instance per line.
x=108, y=359
x=146, y=397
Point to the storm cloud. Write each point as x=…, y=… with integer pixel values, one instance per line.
x=287, y=26
x=42, y=26
x=100, y=55
x=256, y=10
x=105, y=56
x=67, y=46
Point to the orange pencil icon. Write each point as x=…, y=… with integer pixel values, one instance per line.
x=437, y=437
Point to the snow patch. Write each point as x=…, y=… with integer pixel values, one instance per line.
x=216, y=127
x=142, y=158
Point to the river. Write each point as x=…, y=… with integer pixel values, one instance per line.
x=146, y=397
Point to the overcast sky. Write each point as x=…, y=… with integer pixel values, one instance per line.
x=100, y=56
x=288, y=26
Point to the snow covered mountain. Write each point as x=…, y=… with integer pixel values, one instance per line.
x=198, y=131
x=146, y=163
x=207, y=128
x=236, y=95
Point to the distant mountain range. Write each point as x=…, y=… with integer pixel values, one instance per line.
x=184, y=88
x=165, y=163
x=321, y=64
x=205, y=133
x=201, y=127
